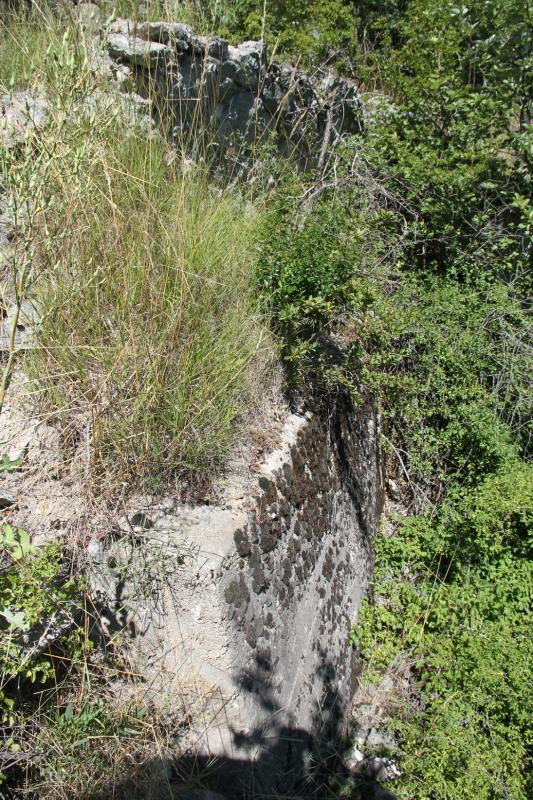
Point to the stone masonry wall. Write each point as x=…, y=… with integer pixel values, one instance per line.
x=303, y=562
x=235, y=95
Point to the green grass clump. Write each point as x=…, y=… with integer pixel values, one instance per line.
x=150, y=321
x=26, y=43
x=144, y=274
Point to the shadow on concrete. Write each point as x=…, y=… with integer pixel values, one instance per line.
x=277, y=760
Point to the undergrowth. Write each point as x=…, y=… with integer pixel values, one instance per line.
x=74, y=723
x=439, y=336
x=57, y=736
x=403, y=274
x=151, y=324
x=143, y=272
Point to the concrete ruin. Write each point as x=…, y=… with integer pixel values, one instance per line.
x=252, y=600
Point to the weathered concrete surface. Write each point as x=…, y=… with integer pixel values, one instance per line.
x=205, y=90
x=247, y=606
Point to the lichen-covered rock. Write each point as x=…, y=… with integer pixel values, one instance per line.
x=175, y=34
x=133, y=50
x=20, y=113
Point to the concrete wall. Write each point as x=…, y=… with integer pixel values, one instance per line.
x=248, y=605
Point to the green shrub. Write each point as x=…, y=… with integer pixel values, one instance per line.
x=426, y=299
x=304, y=30
x=455, y=600
x=448, y=358
x=321, y=274
x=37, y=595
x=56, y=717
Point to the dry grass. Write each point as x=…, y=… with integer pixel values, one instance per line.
x=149, y=324
x=28, y=44
x=150, y=330
x=143, y=271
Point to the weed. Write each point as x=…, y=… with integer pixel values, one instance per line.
x=27, y=43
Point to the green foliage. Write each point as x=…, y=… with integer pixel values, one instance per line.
x=90, y=747
x=34, y=592
x=448, y=358
x=22, y=45
x=455, y=599
x=438, y=334
x=320, y=271
x=302, y=29
x=8, y=464
x=30, y=43
x=446, y=390
x=457, y=138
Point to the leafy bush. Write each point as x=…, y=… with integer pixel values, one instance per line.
x=456, y=144
x=438, y=333
x=449, y=360
x=304, y=30
x=37, y=596
x=320, y=272
x=446, y=390
x=455, y=592
x=56, y=718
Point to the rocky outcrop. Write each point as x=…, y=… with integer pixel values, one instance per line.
x=251, y=601
x=203, y=87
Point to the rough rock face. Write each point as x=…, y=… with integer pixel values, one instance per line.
x=235, y=94
x=20, y=112
x=253, y=599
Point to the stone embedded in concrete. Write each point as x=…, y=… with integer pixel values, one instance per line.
x=242, y=543
x=258, y=580
x=237, y=593
x=268, y=540
x=258, y=613
x=6, y=499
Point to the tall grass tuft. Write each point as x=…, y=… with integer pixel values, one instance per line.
x=151, y=324
x=143, y=271
x=26, y=42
